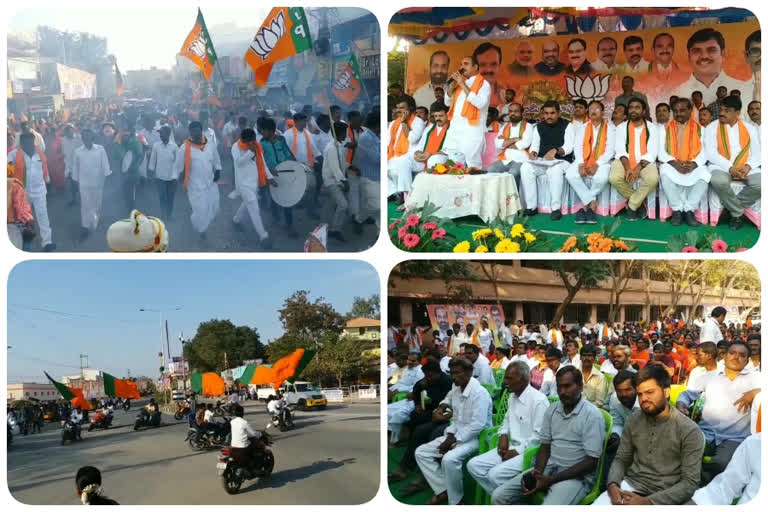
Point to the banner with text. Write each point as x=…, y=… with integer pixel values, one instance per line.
x=443, y=316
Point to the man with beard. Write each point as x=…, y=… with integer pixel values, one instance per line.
x=439, y=63
x=593, y=151
x=550, y=64
x=606, y=56
x=488, y=57
x=469, y=111
x=706, y=52
x=753, y=111
x=618, y=361
x=523, y=58
x=512, y=142
x=30, y=168
x=734, y=155
x=441, y=316
x=752, y=51
x=683, y=171
x=577, y=58
x=552, y=141
x=509, y=100
x=90, y=167
x=405, y=131
x=659, y=456
x=633, y=54
x=636, y=149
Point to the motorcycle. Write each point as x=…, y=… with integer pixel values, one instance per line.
x=144, y=419
x=182, y=410
x=234, y=470
x=224, y=409
x=283, y=419
x=101, y=420
x=212, y=436
x=126, y=405
x=68, y=431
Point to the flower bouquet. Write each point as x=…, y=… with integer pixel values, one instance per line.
x=597, y=242
x=502, y=237
x=420, y=230
x=450, y=168
x=704, y=241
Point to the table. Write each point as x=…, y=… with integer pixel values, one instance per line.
x=489, y=196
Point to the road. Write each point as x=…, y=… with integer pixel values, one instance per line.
x=331, y=457
x=221, y=236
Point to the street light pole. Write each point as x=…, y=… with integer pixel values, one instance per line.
x=163, y=361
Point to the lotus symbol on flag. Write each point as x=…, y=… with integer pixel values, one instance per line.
x=343, y=81
x=266, y=39
x=588, y=89
x=198, y=47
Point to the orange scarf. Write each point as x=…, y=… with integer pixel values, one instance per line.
x=494, y=127
x=631, y=142
x=506, y=133
x=468, y=111
x=398, y=143
x=724, y=146
x=351, y=151
x=188, y=156
x=691, y=141
x=606, y=332
x=434, y=141
x=310, y=156
x=256, y=148
x=20, y=172
x=594, y=149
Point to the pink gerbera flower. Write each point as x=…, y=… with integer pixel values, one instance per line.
x=413, y=220
x=741, y=250
x=690, y=248
x=394, y=225
x=430, y=225
x=402, y=232
x=719, y=246
x=411, y=240
x=438, y=233
x=459, y=165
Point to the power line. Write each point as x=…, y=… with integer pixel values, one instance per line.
x=65, y=313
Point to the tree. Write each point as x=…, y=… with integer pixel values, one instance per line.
x=307, y=320
x=215, y=338
x=450, y=271
x=577, y=274
x=396, y=62
x=344, y=358
x=365, y=307
x=681, y=276
x=620, y=272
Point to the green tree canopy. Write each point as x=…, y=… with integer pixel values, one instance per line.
x=214, y=338
x=365, y=307
x=308, y=320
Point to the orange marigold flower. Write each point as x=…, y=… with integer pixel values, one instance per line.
x=569, y=244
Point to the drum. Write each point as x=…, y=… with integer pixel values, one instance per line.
x=294, y=182
x=138, y=233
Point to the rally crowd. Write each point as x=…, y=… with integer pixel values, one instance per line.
x=157, y=148
x=661, y=412
x=704, y=152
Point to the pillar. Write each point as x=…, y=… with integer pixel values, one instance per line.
x=519, y=312
x=622, y=314
x=593, y=314
x=406, y=312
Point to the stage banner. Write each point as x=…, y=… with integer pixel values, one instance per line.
x=76, y=84
x=443, y=316
x=663, y=62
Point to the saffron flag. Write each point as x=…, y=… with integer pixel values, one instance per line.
x=284, y=33
x=75, y=395
x=207, y=384
x=120, y=388
x=286, y=368
x=347, y=87
x=119, y=80
x=198, y=47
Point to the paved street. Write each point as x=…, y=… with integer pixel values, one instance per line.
x=222, y=237
x=331, y=457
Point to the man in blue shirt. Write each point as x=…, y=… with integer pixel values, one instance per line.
x=276, y=151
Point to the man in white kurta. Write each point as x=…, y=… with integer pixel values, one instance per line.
x=302, y=143
x=468, y=124
x=200, y=178
x=710, y=331
x=405, y=128
x=35, y=180
x=513, y=141
x=741, y=479
x=69, y=143
x=441, y=460
x=588, y=174
x=684, y=175
x=89, y=169
x=335, y=171
x=519, y=430
x=549, y=154
x=726, y=142
x=162, y=160
x=247, y=163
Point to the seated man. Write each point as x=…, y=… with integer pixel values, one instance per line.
x=399, y=413
x=411, y=375
x=593, y=150
x=441, y=460
x=552, y=142
x=512, y=143
x=554, y=357
x=740, y=480
x=725, y=418
x=572, y=435
x=683, y=171
x=519, y=430
x=734, y=155
x=636, y=149
x=660, y=452
x=595, y=385
x=481, y=367
x=405, y=131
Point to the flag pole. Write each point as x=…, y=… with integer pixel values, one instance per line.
x=362, y=83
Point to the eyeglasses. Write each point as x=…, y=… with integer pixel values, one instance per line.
x=754, y=51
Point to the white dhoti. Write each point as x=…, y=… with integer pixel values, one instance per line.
x=40, y=206
x=529, y=171
x=489, y=471
x=250, y=205
x=470, y=142
x=90, y=205
x=364, y=194
x=397, y=414
x=588, y=192
x=684, y=192
x=205, y=206
x=444, y=472
x=400, y=171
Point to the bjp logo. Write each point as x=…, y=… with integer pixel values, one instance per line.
x=343, y=81
x=266, y=39
x=198, y=47
x=589, y=88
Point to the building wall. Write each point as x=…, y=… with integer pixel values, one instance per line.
x=369, y=334
x=28, y=390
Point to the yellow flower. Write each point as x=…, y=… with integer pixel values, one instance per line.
x=440, y=169
x=481, y=234
x=481, y=248
x=461, y=246
x=514, y=247
x=499, y=233
x=507, y=245
x=517, y=230
x=529, y=238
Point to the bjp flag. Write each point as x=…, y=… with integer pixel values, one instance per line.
x=284, y=33
x=346, y=87
x=198, y=47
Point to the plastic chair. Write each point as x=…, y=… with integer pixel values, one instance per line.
x=490, y=441
x=402, y=395
x=491, y=389
x=498, y=375
x=553, y=399
x=674, y=393
x=501, y=408
x=608, y=379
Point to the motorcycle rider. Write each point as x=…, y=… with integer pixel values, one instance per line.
x=77, y=418
x=275, y=407
x=154, y=412
x=245, y=440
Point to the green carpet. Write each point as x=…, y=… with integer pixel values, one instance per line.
x=644, y=235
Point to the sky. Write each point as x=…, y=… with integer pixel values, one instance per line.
x=92, y=307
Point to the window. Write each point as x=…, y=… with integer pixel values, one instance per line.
x=419, y=312
x=393, y=311
x=602, y=312
x=577, y=313
x=35, y=393
x=538, y=312
x=361, y=331
x=633, y=313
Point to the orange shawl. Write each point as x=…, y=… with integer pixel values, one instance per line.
x=468, y=111
x=256, y=148
x=691, y=141
x=351, y=151
x=188, y=156
x=20, y=172
x=398, y=143
x=506, y=132
x=724, y=147
x=310, y=156
x=595, y=149
x=494, y=127
x=631, y=142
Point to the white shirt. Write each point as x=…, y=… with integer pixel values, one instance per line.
x=247, y=172
x=414, y=136
x=709, y=93
x=422, y=144
x=696, y=374
x=444, y=364
x=162, y=160
x=68, y=147
x=599, y=65
x=456, y=342
x=229, y=129
x=555, y=337
x=718, y=160
x=531, y=362
x=740, y=479
x=485, y=339
x=334, y=164
x=640, y=66
x=76, y=417
x=208, y=416
x=515, y=152
x=210, y=135
x=241, y=431
x=302, y=154
x=610, y=142
x=273, y=406
x=481, y=100
x=576, y=361
x=664, y=156
x=652, y=144
x=90, y=167
x=522, y=423
x=505, y=336
x=202, y=164
x=322, y=140
x=409, y=378
x=472, y=409
x=710, y=331
x=483, y=371
x=391, y=369
x=548, y=385
x=368, y=155
x=33, y=167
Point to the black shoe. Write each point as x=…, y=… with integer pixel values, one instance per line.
x=690, y=219
x=49, y=248
x=336, y=235
x=266, y=243
x=725, y=218
x=399, y=199
x=530, y=212
x=581, y=217
x=591, y=217
x=370, y=220
x=642, y=213
x=358, y=228
x=676, y=219
x=736, y=222
x=556, y=215
x=631, y=214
